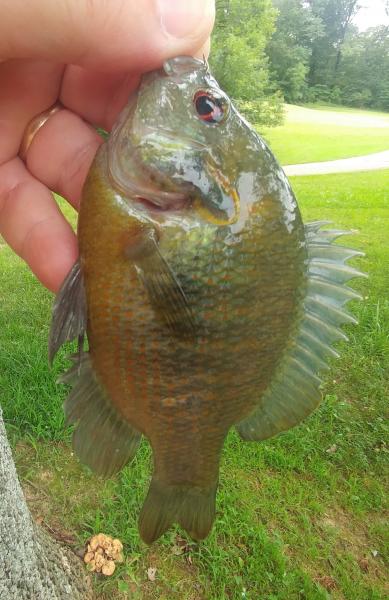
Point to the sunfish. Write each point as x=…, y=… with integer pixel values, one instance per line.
x=206, y=302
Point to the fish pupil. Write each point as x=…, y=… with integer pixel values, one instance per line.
x=208, y=108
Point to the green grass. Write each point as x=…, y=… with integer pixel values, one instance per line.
x=346, y=109
x=301, y=516
x=314, y=135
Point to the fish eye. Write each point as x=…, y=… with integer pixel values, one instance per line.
x=209, y=108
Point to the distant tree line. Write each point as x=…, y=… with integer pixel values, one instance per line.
x=316, y=53
x=299, y=50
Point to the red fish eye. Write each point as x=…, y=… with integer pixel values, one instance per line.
x=209, y=108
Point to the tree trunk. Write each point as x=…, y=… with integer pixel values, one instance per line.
x=32, y=565
x=351, y=10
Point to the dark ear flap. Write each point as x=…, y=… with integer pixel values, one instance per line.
x=182, y=64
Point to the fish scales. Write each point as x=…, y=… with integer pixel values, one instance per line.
x=196, y=271
x=208, y=366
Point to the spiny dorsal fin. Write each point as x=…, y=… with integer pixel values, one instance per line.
x=295, y=390
x=102, y=439
x=69, y=312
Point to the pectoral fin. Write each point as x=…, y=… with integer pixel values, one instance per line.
x=164, y=289
x=69, y=312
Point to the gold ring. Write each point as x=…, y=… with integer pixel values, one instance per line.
x=34, y=126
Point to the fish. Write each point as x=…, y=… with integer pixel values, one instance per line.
x=205, y=301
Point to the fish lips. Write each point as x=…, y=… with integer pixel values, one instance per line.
x=214, y=200
x=135, y=180
x=163, y=178
x=200, y=180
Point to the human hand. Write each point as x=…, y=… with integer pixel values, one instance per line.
x=87, y=54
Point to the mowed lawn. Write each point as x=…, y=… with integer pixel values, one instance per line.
x=299, y=517
x=319, y=133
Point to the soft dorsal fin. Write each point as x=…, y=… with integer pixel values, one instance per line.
x=102, y=438
x=295, y=389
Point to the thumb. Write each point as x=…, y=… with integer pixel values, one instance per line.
x=103, y=35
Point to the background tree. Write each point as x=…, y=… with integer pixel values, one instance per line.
x=32, y=565
x=238, y=58
x=290, y=47
x=336, y=17
x=363, y=75
x=317, y=53
x=306, y=50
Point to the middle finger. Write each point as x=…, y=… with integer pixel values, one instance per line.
x=61, y=153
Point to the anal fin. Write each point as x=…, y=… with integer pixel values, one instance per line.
x=295, y=389
x=102, y=439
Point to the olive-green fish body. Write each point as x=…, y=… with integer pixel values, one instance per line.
x=204, y=297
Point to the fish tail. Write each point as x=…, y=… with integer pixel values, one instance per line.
x=192, y=507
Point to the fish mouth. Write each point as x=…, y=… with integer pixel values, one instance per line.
x=149, y=186
x=163, y=194
x=169, y=202
x=196, y=192
x=206, y=189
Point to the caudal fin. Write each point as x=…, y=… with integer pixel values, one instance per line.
x=192, y=507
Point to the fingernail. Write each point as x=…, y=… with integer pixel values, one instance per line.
x=181, y=18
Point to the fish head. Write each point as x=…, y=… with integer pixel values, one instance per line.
x=181, y=144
